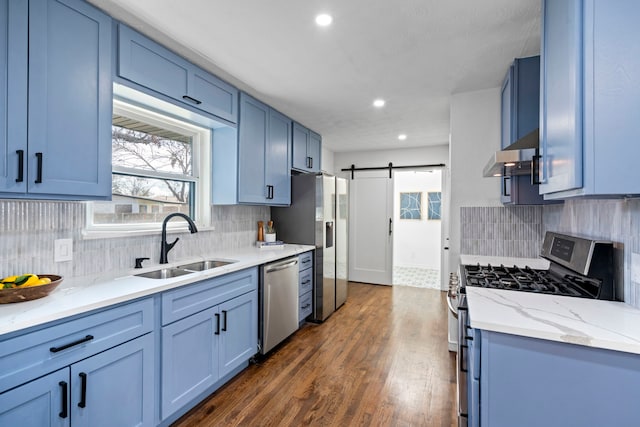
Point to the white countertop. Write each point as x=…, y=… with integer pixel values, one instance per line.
x=594, y=323
x=78, y=295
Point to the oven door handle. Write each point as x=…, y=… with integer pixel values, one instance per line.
x=453, y=310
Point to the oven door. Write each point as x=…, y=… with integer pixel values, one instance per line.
x=462, y=362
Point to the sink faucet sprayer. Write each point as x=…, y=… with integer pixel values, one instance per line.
x=166, y=247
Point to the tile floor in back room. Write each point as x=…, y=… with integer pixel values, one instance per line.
x=416, y=276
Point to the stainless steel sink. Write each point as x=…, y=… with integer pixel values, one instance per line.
x=206, y=265
x=164, y=273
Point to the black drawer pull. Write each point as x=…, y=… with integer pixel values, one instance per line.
x=190, y=99
x=64, y=413
x=306, y=260
x=224, y=320
x=71, y=344
x=306, y=281
x=20, y=154
x=305, y=306
x=39, y=171
x=83, y=390
x=217, y=332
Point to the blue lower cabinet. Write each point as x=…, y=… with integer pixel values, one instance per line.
x=199, y=350
x=533, y=382
x=42, y=402
x=113, y=388
x=239, y=331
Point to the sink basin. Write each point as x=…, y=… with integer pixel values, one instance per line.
x=165, y=273
x=206, y=265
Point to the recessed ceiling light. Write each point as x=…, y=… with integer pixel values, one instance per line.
x=402, y=137
x=324, y=20
x=378, y=103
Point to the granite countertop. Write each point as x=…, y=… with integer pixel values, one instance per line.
x=77, y=295
x=609, y=325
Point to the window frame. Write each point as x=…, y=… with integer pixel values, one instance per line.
x=201, y=139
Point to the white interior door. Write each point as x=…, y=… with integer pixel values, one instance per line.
x=371, y=230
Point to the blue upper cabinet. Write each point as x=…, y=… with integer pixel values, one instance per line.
x=307, y=147
x=264, y=155
x=148, y=64
x=590, y=82
x=520, y=112
x=14, y=22
x=63, y=150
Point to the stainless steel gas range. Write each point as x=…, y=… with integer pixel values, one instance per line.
x=578, y=267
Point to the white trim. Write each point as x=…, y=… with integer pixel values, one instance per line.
x=201, y=169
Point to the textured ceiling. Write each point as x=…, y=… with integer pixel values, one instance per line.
x=413, y=53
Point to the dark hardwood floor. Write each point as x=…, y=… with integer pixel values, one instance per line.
x=380, y=360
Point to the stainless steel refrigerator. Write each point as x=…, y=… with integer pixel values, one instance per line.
x=318, y=216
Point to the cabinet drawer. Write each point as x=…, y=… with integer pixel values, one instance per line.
x=306, y=260
x=306, y=306
x=306, y=281
x=191, y=299
x=37, y=353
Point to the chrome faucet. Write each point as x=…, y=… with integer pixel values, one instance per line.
x=166, y=247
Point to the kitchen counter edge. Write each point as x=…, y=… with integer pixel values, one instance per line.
x=79, y=295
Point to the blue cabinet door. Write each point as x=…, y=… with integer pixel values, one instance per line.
x=239, y=331
x=116, y=387
x=299, y=148
x=212, y=94
x=278, y=158
x=254, y=119
x=70, y=99
x=13, y=95
x=314, y=151
x=189, y=359
x=39, y=403
x=561, y=137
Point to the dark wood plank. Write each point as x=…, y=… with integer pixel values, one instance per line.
x=380, y=360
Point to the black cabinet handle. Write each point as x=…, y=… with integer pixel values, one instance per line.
x=71, y=344
x=306, y=281
x=39, y=171
x=217, y=332
x=305, y=306
x=311, y=162
x=463, y=359
x=505, y=187
x=390, y=226
x=65, y=403
x=271, y=187
x=20, y=154
x=83, y=390
x=535, y=169
x=269, y=191
x=224, y=320
x=190, y=99
x=306, y=260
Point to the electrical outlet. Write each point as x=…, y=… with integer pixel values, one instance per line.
x=62, y=250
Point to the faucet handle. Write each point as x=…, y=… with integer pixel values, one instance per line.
x=171, y=245
x=139, y=262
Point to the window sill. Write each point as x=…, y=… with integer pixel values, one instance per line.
x=115, y=234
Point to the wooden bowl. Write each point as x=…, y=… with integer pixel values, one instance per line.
x=32, y=292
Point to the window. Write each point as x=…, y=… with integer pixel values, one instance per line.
x=157, y=162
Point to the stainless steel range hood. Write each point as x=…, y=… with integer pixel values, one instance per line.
x=515, y=159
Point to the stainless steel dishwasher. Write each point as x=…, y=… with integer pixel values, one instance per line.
x=278, y=302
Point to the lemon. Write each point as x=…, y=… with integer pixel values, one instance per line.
x=26, y=280
x=37, y=282
x=9, y=279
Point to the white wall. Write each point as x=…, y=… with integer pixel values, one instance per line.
x=416, y=243
x=475, y=134
x=327, y=161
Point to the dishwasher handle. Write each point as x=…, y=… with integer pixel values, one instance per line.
x=281, y=265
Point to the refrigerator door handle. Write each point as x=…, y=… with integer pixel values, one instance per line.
x=329, y=234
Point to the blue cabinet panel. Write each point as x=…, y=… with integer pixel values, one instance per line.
x=38, y=403
x=254, y=119
x=239, y=331
x=189, y=359
x=562, y=96
x=13, y=95
x=148, y=64
x=533, y=382
x=66, y=141
x=278, y=158
x=307, y=148
x=590, y=86
x=119, y=386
